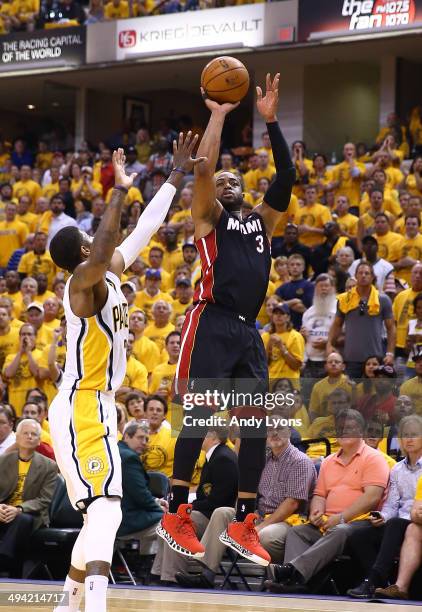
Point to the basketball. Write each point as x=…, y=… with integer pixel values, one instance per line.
x=225, y=79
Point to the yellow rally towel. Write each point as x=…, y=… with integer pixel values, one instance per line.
x=350, y=301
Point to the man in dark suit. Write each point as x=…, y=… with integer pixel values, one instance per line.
x=141, y=511
x=217, y=487
x=27, y=485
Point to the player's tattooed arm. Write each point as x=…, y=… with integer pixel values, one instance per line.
x=206, y=209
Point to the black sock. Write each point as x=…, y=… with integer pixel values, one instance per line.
x=244, y=506
x=179, y=495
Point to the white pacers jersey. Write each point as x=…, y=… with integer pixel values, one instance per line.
x=96, y=346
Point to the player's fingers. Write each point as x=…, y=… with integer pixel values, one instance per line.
x=192, y=143
x=174, y=147
x=133, y=176
x=276, y=81
x=188, y=140
x=204, y=93
x=268, y=81
x=259, y=93
x=180, y=139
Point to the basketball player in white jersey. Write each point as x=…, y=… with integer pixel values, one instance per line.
x=82, y=417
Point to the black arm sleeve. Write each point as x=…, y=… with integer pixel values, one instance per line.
x=280, y=191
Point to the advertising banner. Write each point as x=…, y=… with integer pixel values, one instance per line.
x=332, y=18
x=43, y=48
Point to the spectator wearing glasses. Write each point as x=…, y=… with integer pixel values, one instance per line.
x=364, y=312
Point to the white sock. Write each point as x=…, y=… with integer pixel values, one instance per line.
x=75, y=590
x=96, y=593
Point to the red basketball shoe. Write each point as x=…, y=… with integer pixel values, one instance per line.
x=179, y=532
x=243, y=538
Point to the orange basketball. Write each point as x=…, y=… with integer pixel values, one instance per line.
x=225, y=79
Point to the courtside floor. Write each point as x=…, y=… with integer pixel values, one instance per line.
x=173, y=600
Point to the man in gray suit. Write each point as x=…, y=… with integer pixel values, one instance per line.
x=27, y=485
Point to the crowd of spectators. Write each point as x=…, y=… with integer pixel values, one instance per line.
x=28, y=15
x=341, y=325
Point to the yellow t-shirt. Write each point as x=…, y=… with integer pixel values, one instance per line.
x=368, y=218
x=159, y=455
x=341, y=242
x=322, y=389
x=411, y=185
x=350, y=186
x=30, y=220
x=9, y=343
x=146, y=352
x=413, y=388
x=133, y=195
x=116, y=12
x=179, y=308
x=324, y=180
x=403, y=311
x=16, y=498
x=394, y=177
x=145, y=302
x=172, y=259
x=322, y=427
x=50, y=190
x=85, y=193
x=181, y=215
x=43, y=160
x=349, y=223
x=315, y=216
x=287, y=216
x=162, y=378
x=29, y=188
x=386, y=244
x=136, y=375
x=407, y=247
x=418, y=494
x=32, y=264
x=158, y=334
x=295, y=344
x=21, y=381
x=12, y=236
x=264, y=149
x=252, y=177
x=263, y=317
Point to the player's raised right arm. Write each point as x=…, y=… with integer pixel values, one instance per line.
x=205, y=208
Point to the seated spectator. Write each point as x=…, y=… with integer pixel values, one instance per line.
x=351, y=483
x=374, y=435
x=21, y=369
x=408, y=248
x=413, y=387
x=324, y=254
x=55, y=219
x=408, y=527
x=413, y=181
x=335, y=379
x=160, y=328
x=348, y=223
x=7, y=435
x=363, y=312
x=390, y=443
x=285, y=346
x=26, y=490
x=325, y=426
x=183, y=296
x=344, y=258
x=135, y=405
x=141, y=511
x=159, y=454
x=298, y=292
x=278, y=508
x=414, y=335
x=155, y=260
x=162, y=376
x=316, y=323
x=144, y=349
x=217, y=489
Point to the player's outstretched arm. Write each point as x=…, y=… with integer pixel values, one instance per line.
x=277, y=198
x=91, y=272
x=156, y=211
x=206, y=209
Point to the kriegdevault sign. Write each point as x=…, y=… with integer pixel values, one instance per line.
x=58, y=47
x=240, y=26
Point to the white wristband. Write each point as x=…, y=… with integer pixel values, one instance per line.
x=149, y=222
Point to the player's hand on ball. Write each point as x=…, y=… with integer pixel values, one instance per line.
x=267, y=105
x=182, y=152
x=212, y=105
x=120, y=176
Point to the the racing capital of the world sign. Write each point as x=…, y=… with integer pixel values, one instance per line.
x=334, y=17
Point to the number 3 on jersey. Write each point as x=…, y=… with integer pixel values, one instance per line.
x=260, y=244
